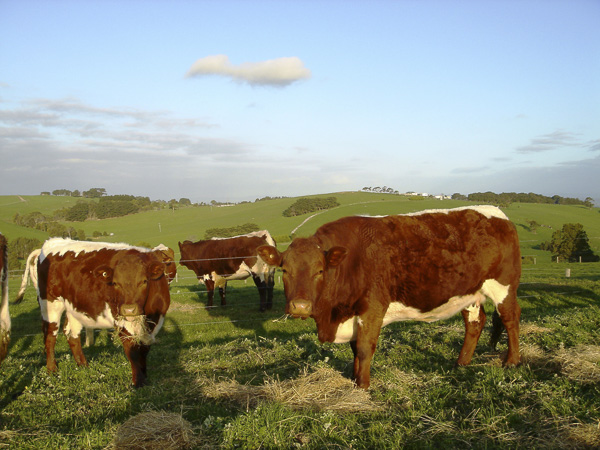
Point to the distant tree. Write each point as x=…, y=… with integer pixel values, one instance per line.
x=76, y=193
x=79, y=212
x=185, y=202
x=19, y=249
x=589, y=202
x=533, y=225
x=62, y=192
x=94, y=193
x=457, y=196
x=307, y=205
x=231, y=231
x=571, y=243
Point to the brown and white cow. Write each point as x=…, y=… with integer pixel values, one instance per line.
x=218, y=260
x=4, y=313
x=358, y=274
x=164, y=253
x=102, y=285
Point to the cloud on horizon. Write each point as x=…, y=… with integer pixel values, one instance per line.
x=551, y=141
x=278, y=72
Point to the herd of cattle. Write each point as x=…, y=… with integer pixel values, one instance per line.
x=353, y=276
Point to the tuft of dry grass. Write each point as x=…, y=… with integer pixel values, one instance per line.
x=325, y=389
x=154, y=430
x=580, y=363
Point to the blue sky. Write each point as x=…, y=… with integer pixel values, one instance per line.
x=236, y=100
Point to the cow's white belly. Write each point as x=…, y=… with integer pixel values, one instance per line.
x=348, y=330
x=104, y=320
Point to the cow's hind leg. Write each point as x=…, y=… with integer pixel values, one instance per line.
x=72, y=330
x=222, y=293
x=474, y=318
x=50, y=331
x=270, y=286
x=51, y=314
x=210, y=288
x=510, y=314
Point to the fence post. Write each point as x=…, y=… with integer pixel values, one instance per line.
x=568, y=273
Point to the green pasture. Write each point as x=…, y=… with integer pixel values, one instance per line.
x=551, y=401
x=422, y=401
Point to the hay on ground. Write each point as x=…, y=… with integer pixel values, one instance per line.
x=325, y=389
x=154, y=430
x=580, y=363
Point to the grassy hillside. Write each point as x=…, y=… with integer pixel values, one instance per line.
x=169, y=227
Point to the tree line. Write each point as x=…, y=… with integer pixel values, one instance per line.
x=307, y=205
x=506, y=198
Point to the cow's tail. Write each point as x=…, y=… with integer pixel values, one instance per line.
x=497, y=329
x=30, y=271
x=4, y=316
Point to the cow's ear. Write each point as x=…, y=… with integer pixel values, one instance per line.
x=334, y=256
x=156, y=270
x=269, y=254
x=104, y=272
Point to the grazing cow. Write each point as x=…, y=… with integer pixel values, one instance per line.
x=358, y=274
x=102, y=285
x=218, y=260
x=4, y=316
x=164, y=253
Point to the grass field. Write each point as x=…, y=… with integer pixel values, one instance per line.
x=218, y=368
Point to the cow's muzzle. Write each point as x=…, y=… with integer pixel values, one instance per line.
x=300, y=308
x=129, y=311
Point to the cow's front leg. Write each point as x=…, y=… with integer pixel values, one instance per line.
x=364, y=349
x=137, y=358
x=474, y=318
x=262, y=292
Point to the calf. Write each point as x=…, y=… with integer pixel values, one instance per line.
x=218, y=260
x=102, y=285
x=358, y=274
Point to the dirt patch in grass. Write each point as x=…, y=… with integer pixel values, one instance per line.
x=324, y=389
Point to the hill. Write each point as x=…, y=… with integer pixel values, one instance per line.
x=169, y=226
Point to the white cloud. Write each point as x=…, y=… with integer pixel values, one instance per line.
x=278, y=72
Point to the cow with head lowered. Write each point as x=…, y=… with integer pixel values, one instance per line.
x=4, y=314
x=358, y=274
x=219, y=260
x=102, y=285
